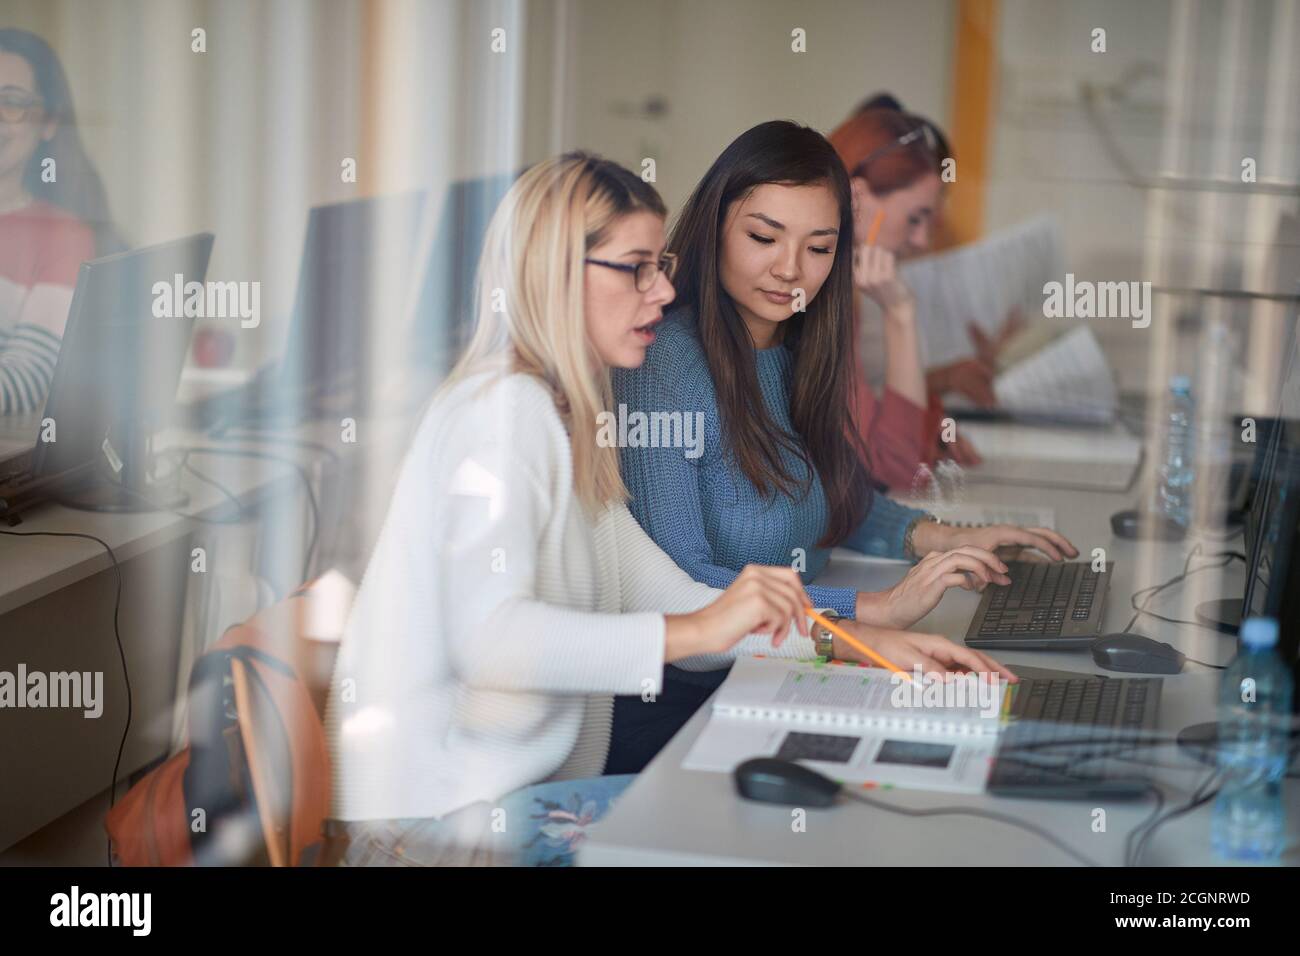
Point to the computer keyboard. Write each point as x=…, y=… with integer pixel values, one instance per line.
x=15, y=469
x=1084, y=701
x=1047, y=606
x=1076, y=738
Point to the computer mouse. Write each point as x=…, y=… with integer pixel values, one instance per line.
x=1133, y=524
x=784, y=781
x=1136, y=654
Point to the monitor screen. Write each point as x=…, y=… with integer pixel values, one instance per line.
x=444, y=315
x=356, y=265
x=1273, y=572
x=120, y=359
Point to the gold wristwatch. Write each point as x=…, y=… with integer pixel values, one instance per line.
x=824, y=640
x=909, y=549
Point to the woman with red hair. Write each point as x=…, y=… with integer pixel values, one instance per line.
x=895, y=163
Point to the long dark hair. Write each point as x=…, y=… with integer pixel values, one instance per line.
x=77, y=186
x=819, y=338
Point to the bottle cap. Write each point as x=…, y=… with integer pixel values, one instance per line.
x=1259, y=632
x=1180, y=383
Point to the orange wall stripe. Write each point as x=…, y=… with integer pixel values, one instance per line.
x=373, y=16
x=973, y=77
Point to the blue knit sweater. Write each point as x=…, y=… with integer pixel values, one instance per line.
x=703, y=511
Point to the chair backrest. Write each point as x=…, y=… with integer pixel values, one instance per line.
x=281, y=679
x=261, y=775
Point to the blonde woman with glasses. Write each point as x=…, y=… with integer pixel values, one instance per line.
x=511, y=594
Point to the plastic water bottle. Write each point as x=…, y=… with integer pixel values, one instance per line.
x=1174, y=493
x=1249, y=821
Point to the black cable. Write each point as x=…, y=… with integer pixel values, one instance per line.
x=1149, y=787
x=159, y=506
x=1154, y=589
x=229, y=495
x=1097, y=750
x=1198, y=799
x=1131, y=857
x=255, y=433
x=1147, y=593
x=183, y=464
x=1130, y=744
x=1153, y=821
x=121, y=651
x=296, y=466
x=1145, y=830
x=262, y=433
x=973, y=812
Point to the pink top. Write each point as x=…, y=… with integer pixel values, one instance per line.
x=892, y=427
x=41, y=249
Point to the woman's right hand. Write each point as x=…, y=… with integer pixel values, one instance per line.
x=917, y=594
x=875, y=273
x=762, y=600
x=907, y=650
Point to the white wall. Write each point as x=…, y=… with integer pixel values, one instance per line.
x=1051, y=153
x=721, y=66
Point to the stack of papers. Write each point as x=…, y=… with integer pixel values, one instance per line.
x=981, y=283
x=1067, y=380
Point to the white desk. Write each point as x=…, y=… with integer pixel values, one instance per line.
x=673, y=816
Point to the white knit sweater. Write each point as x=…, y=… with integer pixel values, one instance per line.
x=497, y=619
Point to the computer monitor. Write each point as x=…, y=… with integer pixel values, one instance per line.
x=444, y=315
x=1226, y=614
x=1273, y=571
x=1272, y=543
x=357, y=264
x=115, y=380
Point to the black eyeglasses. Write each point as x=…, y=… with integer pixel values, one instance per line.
x=924, y=133
x=644, y=273
x=16, y=108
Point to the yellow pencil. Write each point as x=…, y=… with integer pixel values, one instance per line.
x=874, y=229
x=855, y=643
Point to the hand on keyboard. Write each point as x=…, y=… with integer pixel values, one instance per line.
x=932, y=653
x=915, y=596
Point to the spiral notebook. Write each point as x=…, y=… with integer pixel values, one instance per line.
x=845, y=695
x=848, y=723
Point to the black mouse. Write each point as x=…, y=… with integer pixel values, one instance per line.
x=1134, y=524
x=783, y=781
x=1136, y=654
